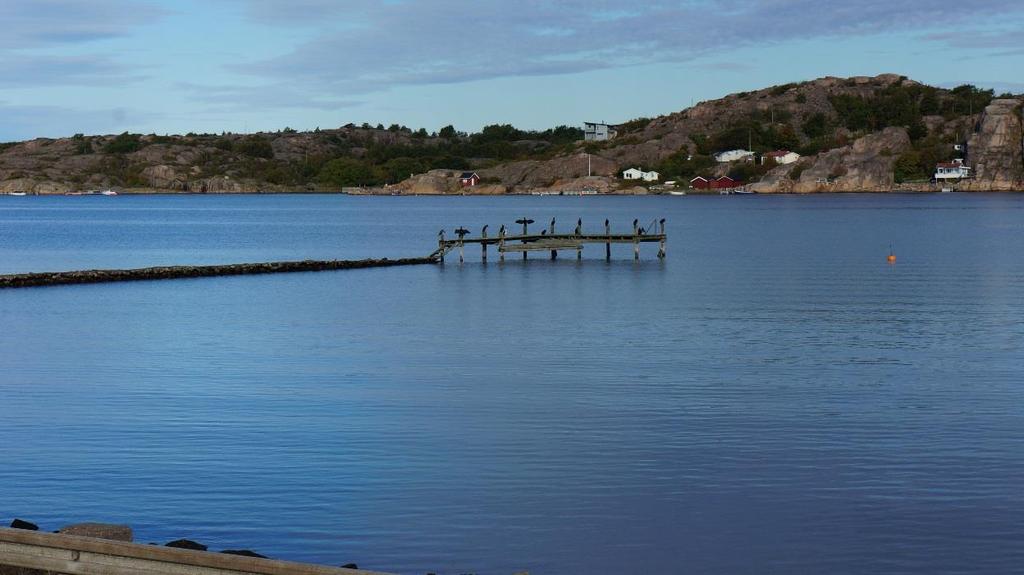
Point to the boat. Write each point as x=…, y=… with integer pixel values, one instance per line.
x=17, y=194
x=677, y=193
x=108, y=193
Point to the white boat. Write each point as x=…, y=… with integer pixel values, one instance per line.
x=677, y=193
x=18, y=194
x=108, y=193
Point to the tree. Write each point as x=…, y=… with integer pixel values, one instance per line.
x=815, y=126
x=917, y=129
x=398, y=169
x=124, y=144
x=343, y=172
x=447, y=132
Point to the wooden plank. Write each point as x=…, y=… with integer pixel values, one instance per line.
x=542, y=245
x=87, y=556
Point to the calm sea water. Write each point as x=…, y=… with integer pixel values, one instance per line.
x=771, y=398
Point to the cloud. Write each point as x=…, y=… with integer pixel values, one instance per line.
x=43, y=39
x=229, y=98
x=32, y=24
x=370, y=45
x=30, y=70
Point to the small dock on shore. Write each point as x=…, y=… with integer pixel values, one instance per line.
x=548, y=240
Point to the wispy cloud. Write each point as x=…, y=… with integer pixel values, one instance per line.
x=33, y=70
x=368, y=45
x=42, y=23
x=56, y=42
x=276, y=96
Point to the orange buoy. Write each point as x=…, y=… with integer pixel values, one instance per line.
x=891, y=259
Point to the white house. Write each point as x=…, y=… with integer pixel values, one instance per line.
x=597, y=132
x=955, y=170
x=638, y=174
x=734, y=156
x=781, y=157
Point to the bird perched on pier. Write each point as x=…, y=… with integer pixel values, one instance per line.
x=543, y=232
x=501, y=230
x=461, y=232
x=483, y=232
x=579, y=226
x=635, y=222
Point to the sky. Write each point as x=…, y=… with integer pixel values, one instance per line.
x=172, y=67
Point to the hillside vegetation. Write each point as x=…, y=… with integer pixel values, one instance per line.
x=871, y=134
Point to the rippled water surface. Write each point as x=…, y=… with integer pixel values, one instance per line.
x=772, y=398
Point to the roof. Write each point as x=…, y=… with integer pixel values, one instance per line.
x=467, y=175
x=778, y=153
x=725, y=178
x=699, y=178
x=949, y=165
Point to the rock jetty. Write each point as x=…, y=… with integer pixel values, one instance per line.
x=181, y=272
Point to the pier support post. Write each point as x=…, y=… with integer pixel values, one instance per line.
x=607, y=245
x=501, y=243
x=440, y=245
x=483, y=244
x=636, y=240
x=661, y=244
x=554, y=253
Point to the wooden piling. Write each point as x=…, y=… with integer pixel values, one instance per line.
x=607, y=245
x=636, y=240
x=501, y=243
x=661, y=244
x=554, y=253
x=526, y=222
x=483, y=245
x=440, y=246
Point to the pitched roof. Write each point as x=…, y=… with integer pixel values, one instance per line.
x=467, y=175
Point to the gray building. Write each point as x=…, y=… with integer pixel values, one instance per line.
x=595, y=132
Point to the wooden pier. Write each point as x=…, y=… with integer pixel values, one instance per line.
x=549, y=240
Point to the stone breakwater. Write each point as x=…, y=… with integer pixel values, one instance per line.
x=181, y=272
x=124, y=556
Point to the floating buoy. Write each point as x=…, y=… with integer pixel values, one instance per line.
x=891, y=259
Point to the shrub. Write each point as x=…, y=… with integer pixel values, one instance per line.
x=255, y=147
x=124, y=144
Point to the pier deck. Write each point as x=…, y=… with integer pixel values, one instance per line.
x=549, y=240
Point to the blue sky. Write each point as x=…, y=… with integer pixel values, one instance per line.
x=162, y=66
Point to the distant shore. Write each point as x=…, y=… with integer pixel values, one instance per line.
x=898, y=189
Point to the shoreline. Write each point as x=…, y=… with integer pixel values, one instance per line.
x=542, y=193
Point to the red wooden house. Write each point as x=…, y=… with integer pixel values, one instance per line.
x=723, y=183
x=469, y=179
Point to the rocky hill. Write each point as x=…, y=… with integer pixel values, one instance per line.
x=883, y=133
